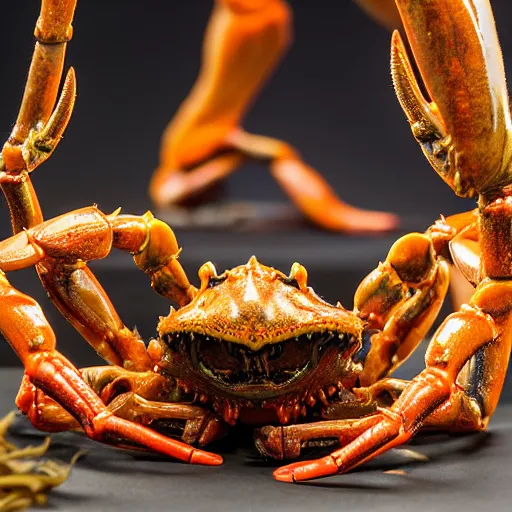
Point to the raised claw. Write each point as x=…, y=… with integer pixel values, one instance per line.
x=466, y=131
x=41, y=143
x=41, y=140
x=40, y=125
x=426, y=125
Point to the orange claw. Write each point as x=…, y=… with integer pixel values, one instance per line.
x=465, y=131
x=465, y=134
x=26, y=329
x=204, y=143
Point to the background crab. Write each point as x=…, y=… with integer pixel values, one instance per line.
x=205, y=141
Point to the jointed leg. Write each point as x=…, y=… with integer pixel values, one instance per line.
x=61, y=246
x=287, y=442
x=195, y=425
x=440, y=393
x=81, y=299
x=402, y=297
x=39, y=127
x=140, y=397
x=339, y=424
x=25, y=327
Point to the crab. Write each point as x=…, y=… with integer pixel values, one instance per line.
x=256, y=346
x=205, y=142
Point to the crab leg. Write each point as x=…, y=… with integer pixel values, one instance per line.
x=204, y=143
x=286, y=442
x=341, y=423
x=308, y=190
x=56, y=245
x=39, y=127
x=484, y=323
x=23, y=324
x=403, y=296
x=144, y=397
x=141, y=397
x=467, y=141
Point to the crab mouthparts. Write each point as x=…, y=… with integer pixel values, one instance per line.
x=276, y=364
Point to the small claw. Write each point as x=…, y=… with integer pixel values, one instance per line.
x=42, y=142
x=426, y=124
x=457, y=52
x=300, y=471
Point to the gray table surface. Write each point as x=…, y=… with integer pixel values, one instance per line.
x=463, y=473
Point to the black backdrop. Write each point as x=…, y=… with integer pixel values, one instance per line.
x=136, y=60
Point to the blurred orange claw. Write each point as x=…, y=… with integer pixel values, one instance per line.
x=465, y=128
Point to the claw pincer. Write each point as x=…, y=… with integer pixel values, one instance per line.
x=464, y=130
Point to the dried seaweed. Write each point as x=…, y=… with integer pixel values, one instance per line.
x=25, y=477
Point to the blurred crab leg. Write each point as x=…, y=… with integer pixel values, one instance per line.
x=308, y=190
x=482, y=326
x=462, y=62
x=402, y=297
x=23, y=324
x=243, y=43
x=37, y=132
x=204, y=142
x=178, y=186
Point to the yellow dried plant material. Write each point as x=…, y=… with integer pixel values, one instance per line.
x=399, y=472
x=25, y=476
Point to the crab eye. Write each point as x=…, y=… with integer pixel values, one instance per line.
x=298, y=277
x=206, y=273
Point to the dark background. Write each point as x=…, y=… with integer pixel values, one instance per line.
x=332, y=98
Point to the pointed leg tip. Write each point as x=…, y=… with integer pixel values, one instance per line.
x=306, y=470
x=205, y=458
x=284, y=474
